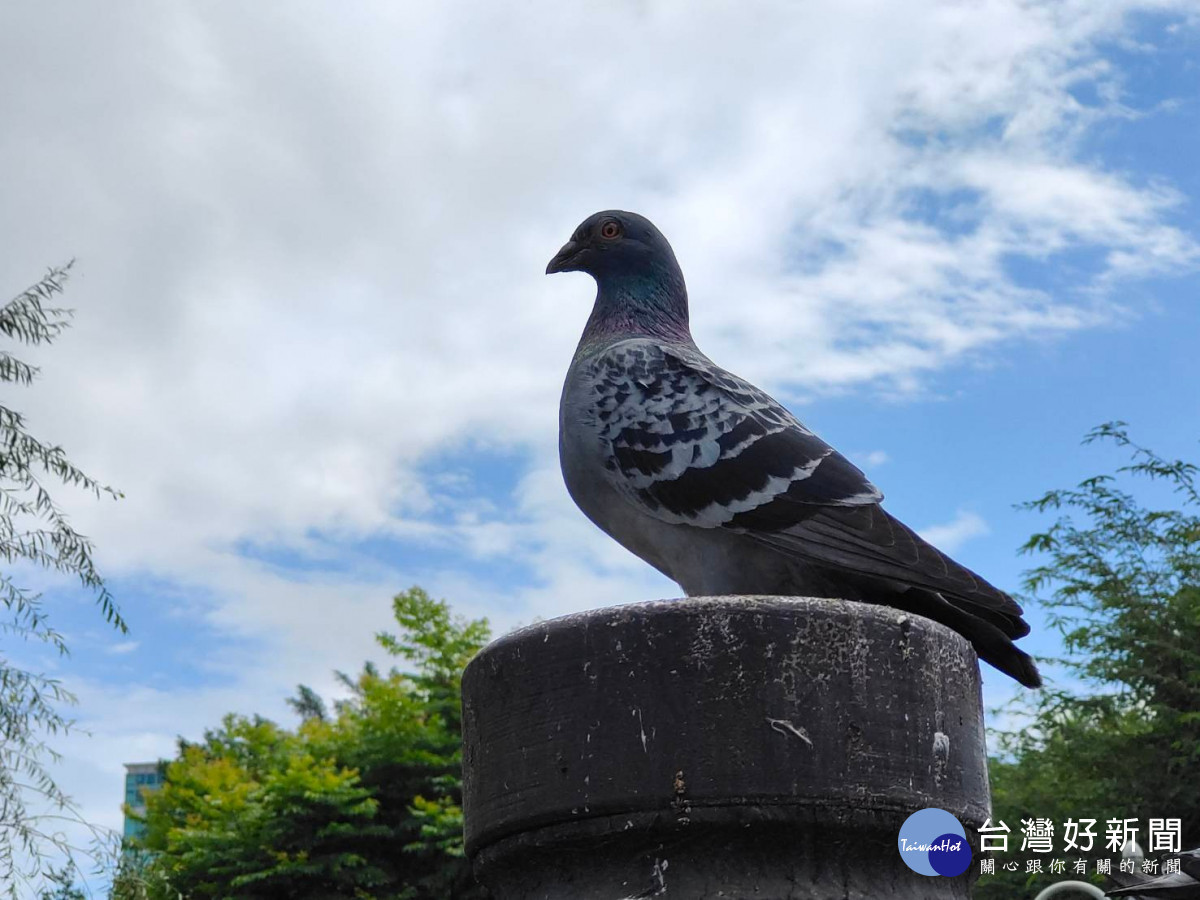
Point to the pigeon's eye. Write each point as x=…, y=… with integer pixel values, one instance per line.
x=610, y=231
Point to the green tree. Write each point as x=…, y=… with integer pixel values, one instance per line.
x=1120, y=736
x=34, y=531
x=363, y=803
x=253, y=812
x=308, y=704
x=404, y=732
x=63, y=885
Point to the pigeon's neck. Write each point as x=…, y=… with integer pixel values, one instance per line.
x=653, y=306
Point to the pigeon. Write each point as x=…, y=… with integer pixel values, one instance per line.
x=714, y=483
x=1181, y=885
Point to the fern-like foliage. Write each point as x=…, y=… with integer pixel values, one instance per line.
x=34, y=530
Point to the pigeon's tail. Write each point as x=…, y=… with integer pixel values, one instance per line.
x=1009, y=659
x=991, y=644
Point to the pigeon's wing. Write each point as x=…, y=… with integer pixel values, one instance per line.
x=693, y=444
x=871, y=541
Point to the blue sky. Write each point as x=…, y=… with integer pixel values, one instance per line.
x=315, y=348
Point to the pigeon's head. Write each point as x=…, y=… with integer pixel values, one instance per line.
x=615, y=244
x=640, y=287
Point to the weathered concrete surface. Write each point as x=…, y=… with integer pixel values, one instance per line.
x=764, y=747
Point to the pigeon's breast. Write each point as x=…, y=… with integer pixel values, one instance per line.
x=588, y=465
x=583, y=449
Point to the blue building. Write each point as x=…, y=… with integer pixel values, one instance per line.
x=139, y=777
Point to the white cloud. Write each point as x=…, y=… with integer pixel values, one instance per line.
x=302, y=271
x=874, y=459
x=949, y=536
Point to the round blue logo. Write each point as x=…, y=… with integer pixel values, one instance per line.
x=933, y=842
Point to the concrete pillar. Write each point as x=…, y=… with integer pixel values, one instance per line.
x=734, y=747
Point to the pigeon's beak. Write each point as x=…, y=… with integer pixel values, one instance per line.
x=563, y=259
